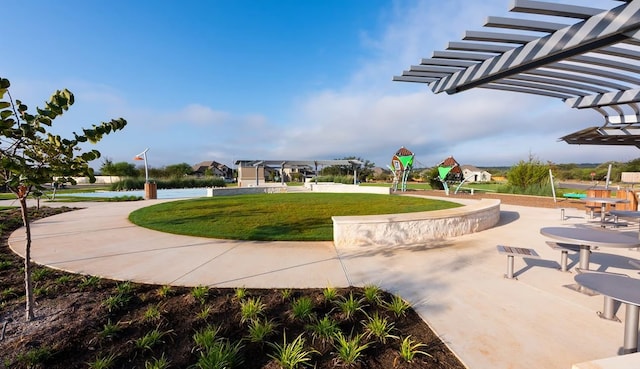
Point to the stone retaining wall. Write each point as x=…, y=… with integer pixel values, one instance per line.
x=414, y=228
x=244, y=190
x=328, y=187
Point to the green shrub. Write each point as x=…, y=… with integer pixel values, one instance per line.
x=110, y=330
x=157, y=363
x=151, y=339
x=528, y=173
x=302, y=309
x=116, y=302
x=36, y=357
x=330, y=293
x=372, y=293
x=260, y=329
x=206, y=337
x=349, y=306
x=200, y=293
x=291, y=355
x=103, y=362
x=221, y=355
x=410, y=348
x=129, y=184
x=349, y=349
x=398, y=306
x=379, y=328
x=543, y=189
x=251, y=309
x=324, y=330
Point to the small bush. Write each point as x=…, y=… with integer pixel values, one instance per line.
x=206, y=338
x=330, y=294
x=222, y=354
x=302, y=309
x=200, y=293
x=410, y=348
x=349, y=306
x=379, y=328
x=398, y=306
x=349, y=350
x=260, y=329
x=103, y=362
x=324, y=330
x=110, y=330
x=36, y=357
x=151, y=339
x=251, y=309
x=291, y=355
x=116, y=302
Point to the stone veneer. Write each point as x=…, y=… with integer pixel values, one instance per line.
x=232, y=191
x=414, y=228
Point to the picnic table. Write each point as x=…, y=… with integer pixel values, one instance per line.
x=623, y=289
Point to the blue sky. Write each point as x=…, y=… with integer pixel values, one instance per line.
x=278, y=79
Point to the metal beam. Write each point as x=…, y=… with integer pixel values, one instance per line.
x=579, y=78
x=554, y=9
x=413, y=79
x=610, y=98
x=523, y=24
x=508, y=38
x=601, y=30
x=447, y=62
x=560, y=82
x=478, y=47
x=494, y=86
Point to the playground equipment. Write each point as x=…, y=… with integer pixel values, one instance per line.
x=401, y=165
x=449, y=171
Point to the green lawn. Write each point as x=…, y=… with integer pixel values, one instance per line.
x=273, y=217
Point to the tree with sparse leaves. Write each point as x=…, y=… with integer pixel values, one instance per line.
x=31, y=157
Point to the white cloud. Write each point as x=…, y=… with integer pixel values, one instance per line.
x=201, y=115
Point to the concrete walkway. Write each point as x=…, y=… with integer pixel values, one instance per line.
x=456, y=284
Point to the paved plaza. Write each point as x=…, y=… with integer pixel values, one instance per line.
x=456, y=284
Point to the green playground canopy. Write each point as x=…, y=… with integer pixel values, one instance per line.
x=444, y=171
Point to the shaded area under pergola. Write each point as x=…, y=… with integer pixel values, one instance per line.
x=292, y=164
x=589, y=59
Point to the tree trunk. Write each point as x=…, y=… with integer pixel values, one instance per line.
x=27, y=260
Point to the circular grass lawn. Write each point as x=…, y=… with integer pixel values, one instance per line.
x=273, y=217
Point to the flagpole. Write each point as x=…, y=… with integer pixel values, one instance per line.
x=146, y=168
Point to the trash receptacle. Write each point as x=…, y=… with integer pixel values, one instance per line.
x=150, y=191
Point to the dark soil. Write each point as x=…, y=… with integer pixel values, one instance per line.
x=74, y=315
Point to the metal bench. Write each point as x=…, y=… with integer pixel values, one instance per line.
x=573, y=195
x=515, y=251
x=564, y=252
x=591, y=210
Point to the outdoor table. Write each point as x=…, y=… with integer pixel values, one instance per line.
x=590, y=237
x=623, y=289
x=603, y=201
x=626, y=214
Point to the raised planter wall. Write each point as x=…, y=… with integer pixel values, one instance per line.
x=244, y=190
x=414, y=228
x=346, y=188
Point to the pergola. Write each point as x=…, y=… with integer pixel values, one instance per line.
x=589, y=59
x=311, y=164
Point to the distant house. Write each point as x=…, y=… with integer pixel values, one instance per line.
x=217, y=169
x=473, y=174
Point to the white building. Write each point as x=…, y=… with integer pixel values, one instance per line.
x=473, y=174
